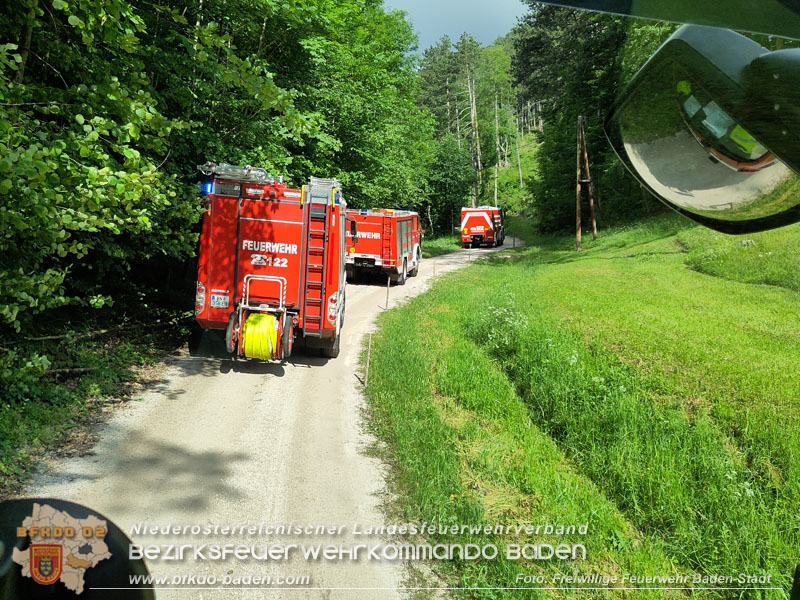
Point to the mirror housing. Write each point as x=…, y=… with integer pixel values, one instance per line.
x=708, y=125
x=773, y=17
x=353, y=229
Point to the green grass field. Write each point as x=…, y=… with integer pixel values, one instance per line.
x=440, y=245
x=617, y=386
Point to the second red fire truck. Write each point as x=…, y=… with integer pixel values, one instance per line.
x=271, y=266
x=482, y=226
x=388, y=241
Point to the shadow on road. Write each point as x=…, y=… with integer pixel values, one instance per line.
x=186, y=480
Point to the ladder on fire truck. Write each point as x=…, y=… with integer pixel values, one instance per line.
x=318, y=200
x=386, y=240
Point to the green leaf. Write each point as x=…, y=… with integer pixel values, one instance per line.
x=79, y=118
x=75, y=21
x=5, y=186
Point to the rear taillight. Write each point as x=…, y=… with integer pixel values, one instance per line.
x=199, y=299
x=332, y=308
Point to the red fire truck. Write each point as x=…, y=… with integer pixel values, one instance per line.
x=271, y=263
x=482, y=226
x=387, y=241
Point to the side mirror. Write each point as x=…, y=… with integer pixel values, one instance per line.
x=774, y=17
x=353, y=230
x=709, y=127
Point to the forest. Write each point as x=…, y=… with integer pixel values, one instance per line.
x=106, y=108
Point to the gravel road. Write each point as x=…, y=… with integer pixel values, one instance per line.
x=213, y=443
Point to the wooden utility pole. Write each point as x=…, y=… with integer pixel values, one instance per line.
x=519, y=160
x=581, y=180
x=589, y=183
x=578, y=188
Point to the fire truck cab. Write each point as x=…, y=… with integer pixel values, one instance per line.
x=387, y=241
x=482, y=226
x=271, y=267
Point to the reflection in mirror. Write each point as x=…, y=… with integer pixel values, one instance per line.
x=690, y=152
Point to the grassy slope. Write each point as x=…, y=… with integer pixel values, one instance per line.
x=615, y=385
x=440, y=245
x=771, y=257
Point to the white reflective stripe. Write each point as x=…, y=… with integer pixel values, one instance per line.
x=475, y=214
x=292, y=194
x=271, y=221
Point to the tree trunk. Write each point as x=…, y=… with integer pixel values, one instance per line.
x=261, y=37
x=496, y=145
x=472, y=145
x=27, y=33
x=447, y=103
x=197, y=21
x=458, y=125
x=475, y=134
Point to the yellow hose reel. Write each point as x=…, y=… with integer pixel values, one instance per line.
x=260, y=336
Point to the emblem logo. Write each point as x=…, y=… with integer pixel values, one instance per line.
x=46, y=562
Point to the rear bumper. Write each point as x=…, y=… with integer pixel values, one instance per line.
x=363, y=260
x=480, y=239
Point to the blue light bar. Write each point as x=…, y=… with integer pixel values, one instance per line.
x=209, y=187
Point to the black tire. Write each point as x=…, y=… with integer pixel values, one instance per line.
x=332, y=350
x=403, y=275
x=415, y=270
x=286, y=337
x=466, y=245
x=229, y=344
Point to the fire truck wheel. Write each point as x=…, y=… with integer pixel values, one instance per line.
x=286, y=337
x=415, y=270
x=403, y=275
x=332, y=350
x=466, y=245
x=230, y=345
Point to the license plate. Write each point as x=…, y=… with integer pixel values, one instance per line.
x=218, y=301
